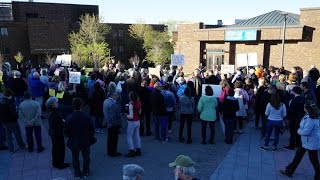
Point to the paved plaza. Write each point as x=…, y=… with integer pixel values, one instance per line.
x=242, y=160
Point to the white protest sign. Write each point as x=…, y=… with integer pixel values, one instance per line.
x=227, y=69
x=177, y=60
x=74, y=77
x=66, y=60
x=252, y=59
x=154, y=71
x=242, y=60
x=217, y=89
x=58, y=59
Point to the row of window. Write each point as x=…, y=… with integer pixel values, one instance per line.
x=116, y=48
x=117, y=32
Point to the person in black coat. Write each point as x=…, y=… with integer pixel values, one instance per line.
x=159, y=110
x=144, y=95
x=56, y=127
x=80, y=132
x=295, y=114
x=229, y=108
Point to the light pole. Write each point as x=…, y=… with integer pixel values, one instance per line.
x=283, y=35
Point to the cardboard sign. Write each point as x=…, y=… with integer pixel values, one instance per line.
x=248, y=59
x=177, y=60
x=225, y=69
x=66, y=60
x=74, y=77
x=52, y=93
x=217, y=89
x=154, y=71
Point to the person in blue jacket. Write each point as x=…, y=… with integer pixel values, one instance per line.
x=310, y=136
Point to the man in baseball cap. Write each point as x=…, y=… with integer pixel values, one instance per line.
x=183, y=168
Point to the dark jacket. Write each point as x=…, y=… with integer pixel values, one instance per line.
x=97, y=102
x=19, y=86
x=197, y=81
x=296, y=110
x=144, y=95
x=259, y=98
x=79, y=130
x=230, y=106
x=36, y=87
x=158, y=106
x=56, y=124
x=310, y=96
x=212, y=79
x=8, y=111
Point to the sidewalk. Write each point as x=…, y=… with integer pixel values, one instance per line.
x=245, y=160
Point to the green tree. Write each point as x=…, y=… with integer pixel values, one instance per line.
x=19, y=57
x=88, y=45
x=156, y=44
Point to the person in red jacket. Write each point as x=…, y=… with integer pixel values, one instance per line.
x=133, y=134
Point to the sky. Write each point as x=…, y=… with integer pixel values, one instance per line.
x=206, y=11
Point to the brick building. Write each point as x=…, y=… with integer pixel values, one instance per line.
x=261, y=36
x=37, y=29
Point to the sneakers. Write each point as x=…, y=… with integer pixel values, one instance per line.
x=130, y=154
x=165, y=141
x=286, y=173
x=181, y=140
x=288, y=148
x=264, y=148
x=138, y=152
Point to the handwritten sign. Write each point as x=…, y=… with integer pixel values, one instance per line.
x=74, y=77
x=217, y=89
x=177, y=60
x=227, y=69
x=58, y=59
x=154, y=71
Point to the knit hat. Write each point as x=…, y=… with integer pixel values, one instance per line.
x=51, y=101
x=182, y=160
x=132, y=170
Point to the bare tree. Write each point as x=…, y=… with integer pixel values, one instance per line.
x=49, y=59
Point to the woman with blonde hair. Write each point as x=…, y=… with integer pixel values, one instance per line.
x=225, y=89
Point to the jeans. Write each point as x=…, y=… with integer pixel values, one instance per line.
x=112, y=142
x=37, y=133
x=313, y=157
x=270, y=125
x=76, y=163
x=204, y=130
x=58, y=151
x=239, y=120
x=264, y=121
x=98, y=121
x=133, y=135
x=160, y=122
x=170, y=119
x=2, y=135
x=229, y=125
x=183, y=118
x=295, y=138
x=13, y=128
x=145, y=121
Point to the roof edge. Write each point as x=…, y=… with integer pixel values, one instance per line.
x=309, y=8
x=244, y=28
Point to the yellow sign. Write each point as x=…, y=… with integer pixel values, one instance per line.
x=60, y=95
x=52, y=92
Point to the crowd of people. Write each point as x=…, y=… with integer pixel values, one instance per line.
x=275, y=98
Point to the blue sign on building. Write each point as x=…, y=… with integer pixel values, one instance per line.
x=240, y=35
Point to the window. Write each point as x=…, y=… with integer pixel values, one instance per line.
x=3, y=31
x=114, y=33
x=121, y=48
x=120, y=32
x=114, y=48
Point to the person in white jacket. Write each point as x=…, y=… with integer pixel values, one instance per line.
x=310, y=137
